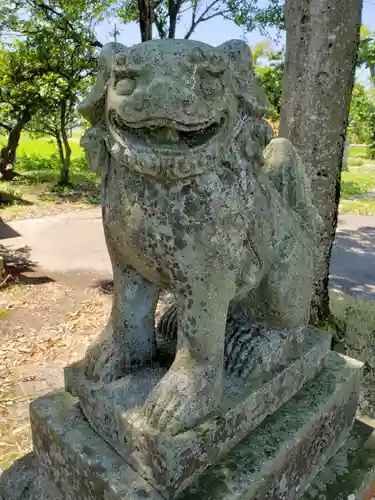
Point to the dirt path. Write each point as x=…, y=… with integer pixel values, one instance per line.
x=45, y=324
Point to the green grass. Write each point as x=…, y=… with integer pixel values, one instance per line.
x=34, y=191
x=355, y=151
x=357, y=182
x=357, y=186
x=45, y=147
x=360, y=207
x=354, y=161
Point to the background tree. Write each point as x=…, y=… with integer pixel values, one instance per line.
x=25, y=86
x=366, y=52
x=44, y=71
x=321, y=50
x=166, y=14
x=362, y=107
x=75, y=67
x=270, y=75
x=61, y=117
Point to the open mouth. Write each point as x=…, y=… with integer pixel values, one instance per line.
x=165, y=133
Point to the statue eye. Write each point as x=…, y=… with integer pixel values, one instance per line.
x=125, y=86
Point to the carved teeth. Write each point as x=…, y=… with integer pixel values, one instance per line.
x=184, y=166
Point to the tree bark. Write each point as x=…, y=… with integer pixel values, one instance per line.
x=321, y=51
x=65, y=165
x=60, y=147
x=145, y=8
x=174, y=7
x=8, y=152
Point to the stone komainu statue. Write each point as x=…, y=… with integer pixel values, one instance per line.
x=192, y=203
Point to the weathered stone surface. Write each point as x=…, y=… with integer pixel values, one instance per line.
x=77, y=460
x=190, y=205
x=170, y=463
x=350, y=473
x=23, y=481
x=277, y=461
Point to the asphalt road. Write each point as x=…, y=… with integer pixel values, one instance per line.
x=72, y=246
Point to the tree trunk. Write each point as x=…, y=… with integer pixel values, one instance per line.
x=60, y=147
x=65, y=165
x=8, y=152
x=174, y=7
x=145, y=19
x=321, y=50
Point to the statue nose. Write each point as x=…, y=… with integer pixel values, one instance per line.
x=191, y=105
x=165, y=96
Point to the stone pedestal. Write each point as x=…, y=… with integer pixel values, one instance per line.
x=171, y=463
x=279, y=460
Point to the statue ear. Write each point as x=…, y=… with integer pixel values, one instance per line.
x=245, y=84
x=92, y=107
x=238, y=52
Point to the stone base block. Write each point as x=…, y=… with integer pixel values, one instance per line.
x=171, y=463
x=276, y=462
x=281, y=458
x=350, y=474
x=24, y=481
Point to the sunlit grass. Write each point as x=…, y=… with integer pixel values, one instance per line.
x=34, y=190
x=357, y=182
x=358, y=191
x=360, y=207
x=355, y=151
x=44, y=146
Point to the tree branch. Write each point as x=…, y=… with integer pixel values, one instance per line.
x=6, y=127
x=207, y=18
x=204, y=16
x=48, y=10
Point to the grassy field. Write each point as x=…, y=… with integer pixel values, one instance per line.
x=34, y=192
x=356, y=151
x=358, y=191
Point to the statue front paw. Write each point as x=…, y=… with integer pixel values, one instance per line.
x=187, y=393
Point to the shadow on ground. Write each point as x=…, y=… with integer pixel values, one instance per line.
x=353, y=262
x=11, y=198
x=19, y=266
x=6, y=231
x=87, y=192
x=104, y=286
